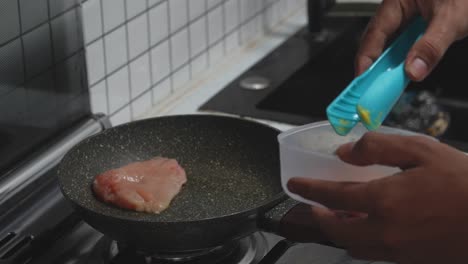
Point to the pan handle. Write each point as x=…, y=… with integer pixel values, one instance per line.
x=294, y=221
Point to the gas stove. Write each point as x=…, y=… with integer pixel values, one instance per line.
x=37, y=224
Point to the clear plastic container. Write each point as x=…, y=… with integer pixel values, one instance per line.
x=308, y=151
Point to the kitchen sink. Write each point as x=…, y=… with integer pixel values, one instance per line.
x=299, y=79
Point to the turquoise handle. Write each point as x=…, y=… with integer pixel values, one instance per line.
x=375, y=104
x=370, y=97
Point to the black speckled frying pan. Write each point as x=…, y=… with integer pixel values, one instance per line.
x=233, y=182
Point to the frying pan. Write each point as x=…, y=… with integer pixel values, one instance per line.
x=233, y=186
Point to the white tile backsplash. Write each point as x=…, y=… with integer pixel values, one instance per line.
x=118, y=90
x=196, y=8
x=121, y=117
x=138, y=35
x=140, y=75
x=161, y=62
x=216, y=52
x=199, y=64
x=232, y=41
x=134, y=7
x=92, y=20
x=198, y=36
x=231, y=16
x=99, y=98
x=178, y=11
x=114, y=13
x=181, y=77
x=215, y=25
x=161, y=91
x=95, y=61
x=212, y=3
x=142, y=104
x=180, y=49
x=115, y=45
x=158, y=20
x=140, y=51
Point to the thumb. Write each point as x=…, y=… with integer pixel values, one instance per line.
x=431, y=47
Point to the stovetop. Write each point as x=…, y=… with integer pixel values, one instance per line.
x=37, y=225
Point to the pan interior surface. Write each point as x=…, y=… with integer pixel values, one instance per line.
x=232, y=165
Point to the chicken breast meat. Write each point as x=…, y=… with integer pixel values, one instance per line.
x=145, y=186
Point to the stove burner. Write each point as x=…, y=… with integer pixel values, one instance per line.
x=248, y=250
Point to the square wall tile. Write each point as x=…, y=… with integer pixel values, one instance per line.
x=196, y=8
x=95, y=61
x=158, y=19
x=121, y=117
x=92, y=20
x=153, y=2
x=98, y=98
x=215, y=25
x=161, y=91
x=13, y=106
x=181, y=77
x=114, y=14
x=199, y=64
x=11, y=68
x=140, y=75
x=115, y=47
x=71, y=76
x=33, y=13
x=135, y=7
x=247, y=9
x=180, y=49
x=59, y=6
x=178, y=14
x=212, y=3
x=198, y=36
x=9, y=20
x=66, y=38
x=231, y=13
x=37, y=50
x=142, y=104
x=232, y=42
x=216, y=53
x=41, y=95
x=138, y=35
x=118, y=90
x=161, y=62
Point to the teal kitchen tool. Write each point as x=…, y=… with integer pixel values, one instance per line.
x=370, y=97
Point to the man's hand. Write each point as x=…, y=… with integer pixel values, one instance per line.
x=447, y=20
x=419, y=215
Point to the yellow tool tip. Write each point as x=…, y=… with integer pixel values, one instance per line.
x=364, y=114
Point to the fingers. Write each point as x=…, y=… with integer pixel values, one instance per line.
x=392, y=150
x=356, y=232
x=429, y=50
x=390, y=16
x=300, y=224
x=336, y=195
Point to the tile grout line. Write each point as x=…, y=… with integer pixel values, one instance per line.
x=239, y=20
x=170, y=38
x=148, y=31
x=207, y=34
x=129, y=75
x=238, y=27
x=106, y=82
x=189, y=41
x=52, y=50
x=223, y=14
x=23, y=55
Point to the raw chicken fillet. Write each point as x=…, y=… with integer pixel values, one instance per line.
x=147, y=186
